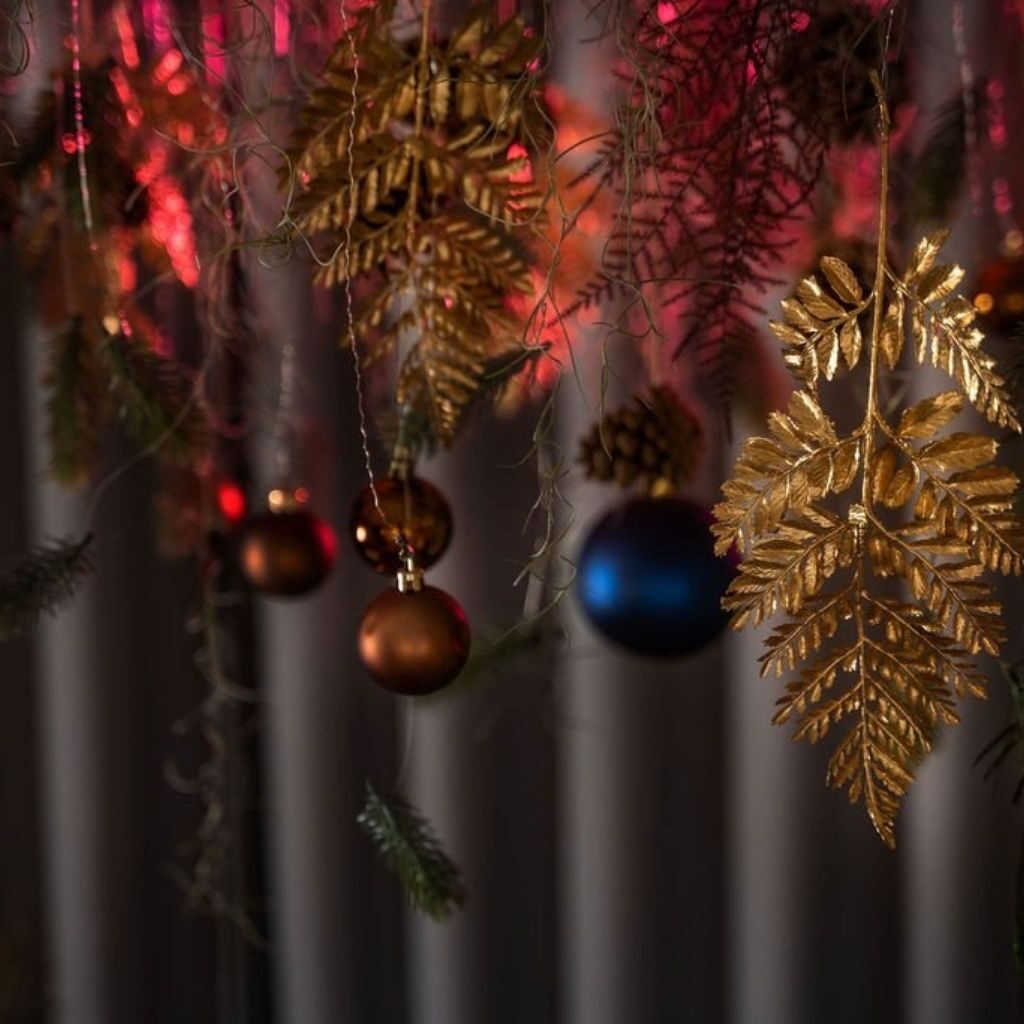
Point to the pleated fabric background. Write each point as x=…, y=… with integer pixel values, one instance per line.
x=640, y=845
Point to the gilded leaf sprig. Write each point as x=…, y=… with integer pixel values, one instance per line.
x=826, y=518
x=439, y=198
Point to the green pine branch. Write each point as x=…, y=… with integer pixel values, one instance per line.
x=153, y=398
x=497, y=652
x=75, y=403
x=42, y=583
x=1013, y=361
x=938, y=174
x=408, y=846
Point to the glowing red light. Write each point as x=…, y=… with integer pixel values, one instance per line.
x=282, y=27
x=800, y=21
x=328, y=541
x=154, y=17
x=666, y=12
x=127, y=274
x=214, y=35
x=524, y=173
x=169, y=64
x=170, y=220
x=126, y=35
x=231, y=502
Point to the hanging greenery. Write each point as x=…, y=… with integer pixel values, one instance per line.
x=408, y=846
x=43, y=582
x=711, y=164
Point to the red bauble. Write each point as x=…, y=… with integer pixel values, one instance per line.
x=286, y=553
x=414, y=642
x=414, y=509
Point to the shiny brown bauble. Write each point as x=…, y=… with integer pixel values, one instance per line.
x=999, y=295
x=414, y=509
x=414, y=643
x=286, y=553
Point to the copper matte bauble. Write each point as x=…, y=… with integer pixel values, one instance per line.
x=414, y=509
x=999, y=295
x=286, y=553
x=414, y=642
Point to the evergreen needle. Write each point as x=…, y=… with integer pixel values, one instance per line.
x=41, y=583
x=408, y=846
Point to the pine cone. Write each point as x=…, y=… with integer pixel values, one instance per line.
x=655, y=442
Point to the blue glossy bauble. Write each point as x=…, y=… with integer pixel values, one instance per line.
x=649, y=578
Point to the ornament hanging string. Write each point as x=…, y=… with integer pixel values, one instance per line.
x=967, y=86
x=350, y=329
x=80, y=133
x=282, y=436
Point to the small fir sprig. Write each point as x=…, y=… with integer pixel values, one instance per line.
x=913, y=502
x=42, y=583
x=710, y=165
x=94, y=377
x=939, y=170
x=408, y=846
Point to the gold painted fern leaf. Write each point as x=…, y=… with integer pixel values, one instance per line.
x=437, y=195
x=826, y=518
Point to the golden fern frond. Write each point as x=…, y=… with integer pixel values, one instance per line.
x=802, y=461
x=432, y=203
x=943, y=330
x=932, y=510
x=783, y=571
x=792, y=642
x=821, y=323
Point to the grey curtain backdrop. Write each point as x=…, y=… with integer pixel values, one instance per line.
x=639, y=844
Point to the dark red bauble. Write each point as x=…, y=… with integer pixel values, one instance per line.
x=999, y=295
x=286, y=553
x=414, y=642
x=414, y=509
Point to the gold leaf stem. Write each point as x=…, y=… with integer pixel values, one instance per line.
x=870, y=413
x=868, y=432
x=419, y=116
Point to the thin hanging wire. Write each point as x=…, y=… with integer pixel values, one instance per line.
x=283, y=439
x=364, y=437
x=80, y=133
x=967, y=87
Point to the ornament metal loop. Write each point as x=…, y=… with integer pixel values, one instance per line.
x=410, y=576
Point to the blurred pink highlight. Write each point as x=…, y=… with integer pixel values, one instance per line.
x=282, y=27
